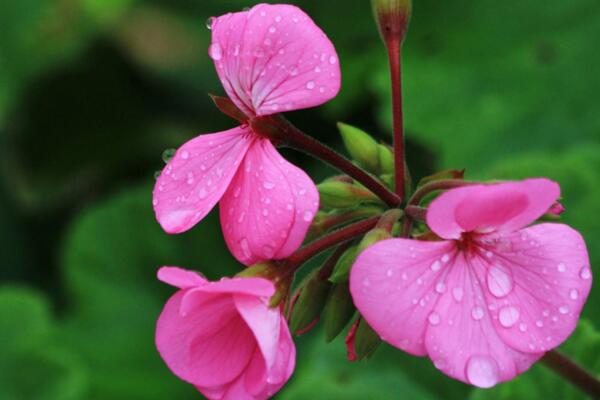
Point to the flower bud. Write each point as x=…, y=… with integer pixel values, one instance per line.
x=342, y=267
x=445, y=174
x=311, y=298
x=362, y=147
x=392, y=17
x=386, y=159
x=335, y=194
x=338, y=310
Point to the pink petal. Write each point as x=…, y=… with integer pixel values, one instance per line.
x=537, y=305
x=180, y=278
x=274, y=58
x=207, y=346
x=263, y=321
x=267, y=210
x=395, y=284
x=196, y=178
x=461, y=337
x=502, y=207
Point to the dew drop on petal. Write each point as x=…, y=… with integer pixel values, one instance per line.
x=332, y=60
x=573, y=294
x=482, y=371
x=563, y=309
x=457, y=293
x=268, y=185
x=268, y=251
x=210, y=22
x=155, y=202
x=508, y=316
x=245, y=248
x=499, y=282
x=477, y=313
x=202, y=193
x=440, y=287
x=561, y=267
x=310, y=85
x=185, y=154
x=523, y=327
x=445, y=258
x=539, y=323
x=389, y=272
x=307, y=216
x=585, y=273
x=215, y=51
x=436, y=265
x=434, y=318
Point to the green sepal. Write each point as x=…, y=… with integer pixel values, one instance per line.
x=338, y=311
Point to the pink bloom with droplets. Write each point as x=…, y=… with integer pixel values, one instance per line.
x=223, y=338
x=490, y=299
x=271, y=58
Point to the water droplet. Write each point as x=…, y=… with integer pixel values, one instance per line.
x=307, y=216
x=489, y=254
x=508, y=316
x=236, y=50
x=265, y=212
x=445, y=258
x=317, y=69
x=457, y=293
x=215, y=51
x=482, y=371
x=390, y=272
x=241, y=217
x=477, y=313
x=278, y=18
x=202, y=193
x=268, y=185
x=440, y=287
x=245, y=248
x=155, y=202
x=366, y=282
x=190, y=178
x=210, y=22
x=434, y=318
x=436, y=265
x=294, y=71
x=585, y=273
x=561, y=267
x=310, y=85
x=573, y=294
x=268, y=251
x=404, y=276
x=440, y=363
x=272, y=29
x=523, y=327
x=332, y=60
x=539, y=323
x=563, y=309
x=185, y=154
x=499, y=281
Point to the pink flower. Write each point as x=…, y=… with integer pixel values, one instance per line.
x=223, y=338
x=272, y=58
x=489, y=300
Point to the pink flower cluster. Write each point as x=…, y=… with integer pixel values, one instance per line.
x=484, y=302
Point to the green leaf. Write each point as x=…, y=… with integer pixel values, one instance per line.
x=542, y=383
x=111, y=257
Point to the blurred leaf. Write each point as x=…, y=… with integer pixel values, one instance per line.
x=488, y=79
x=33, y=366
x=578, y=172
x=111, y=257
x=542, y=383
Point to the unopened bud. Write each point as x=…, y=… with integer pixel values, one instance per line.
x=338, y=311
x=342, y=267
x=386, y=159
x=309, y=304
x=557, y=209
x=362, y=147
x=441, y=175
x=392, y=17
x=335, y=194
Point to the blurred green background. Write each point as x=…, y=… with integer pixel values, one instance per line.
x=92, y=91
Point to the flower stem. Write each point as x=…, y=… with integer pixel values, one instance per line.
x=332, y=239
x=282, y=132
x=572, y=372
x=394, y=49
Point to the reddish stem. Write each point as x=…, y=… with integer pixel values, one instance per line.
x=334, y=238
x=282, y=132
x=394, y=48
x=572, y=372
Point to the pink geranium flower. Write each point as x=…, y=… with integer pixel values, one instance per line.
x=271, y=58
x=223, y=337
x=490, y=299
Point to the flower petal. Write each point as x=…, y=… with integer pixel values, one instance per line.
x=267, y=210
x=263, y=321
x=180, y=278
x=549, y=265
x=258, y=287
x=197, y=176
x=274, y=58
x=395, y=284
x=461, y=338
x=197, y=345
x=502, y=207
